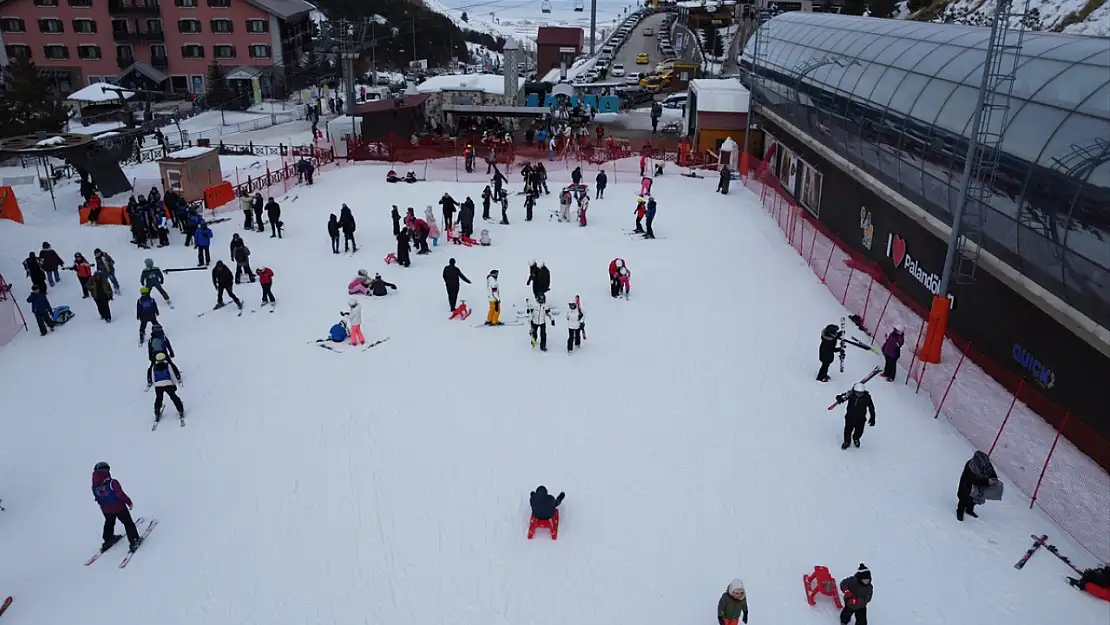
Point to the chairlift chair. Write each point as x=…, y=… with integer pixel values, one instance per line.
x=578, y=6
x=545, y=6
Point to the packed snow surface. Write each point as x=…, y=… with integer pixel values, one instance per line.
x=391, y=486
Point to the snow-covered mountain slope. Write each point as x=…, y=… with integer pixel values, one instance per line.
x=1075, y=17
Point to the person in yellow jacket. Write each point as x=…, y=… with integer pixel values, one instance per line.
x=493, y=318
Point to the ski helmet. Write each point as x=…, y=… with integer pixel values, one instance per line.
x=619, y=263
x=352, y=303
x=149, y=263
x=363, y=272
x=494, y=273
x=144, y=290
x=573, y=305
x=858, y=388
x=156, y=330
x=160, y=357
x=624, y=272
x=377, y=276
x=541, y=298
x=102, y=466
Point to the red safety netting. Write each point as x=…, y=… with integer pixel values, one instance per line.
x=991, y=406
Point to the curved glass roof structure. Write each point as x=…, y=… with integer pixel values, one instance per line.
x=897, y=98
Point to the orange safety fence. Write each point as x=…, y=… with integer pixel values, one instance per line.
x=219, y=194
x=987, y=403
x=9, y=205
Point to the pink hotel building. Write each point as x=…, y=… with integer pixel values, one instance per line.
x=165, y=45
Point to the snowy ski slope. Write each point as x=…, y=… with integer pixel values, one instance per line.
x=390, y=486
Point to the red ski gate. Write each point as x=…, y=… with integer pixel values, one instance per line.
x=991, y=406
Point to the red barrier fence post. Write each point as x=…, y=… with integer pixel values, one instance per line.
x=844, y=298
x=916, y=347
x=1021, y=385
x=867, y=300
x=802, y=240
x=812, y=246
x=921, y=378
x=1067, y=415
x=963, y=355
x=879, y=323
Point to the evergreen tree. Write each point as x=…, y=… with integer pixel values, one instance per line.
x=30, y=104
x=220, y=94
x=882, y=8
x=915, y=5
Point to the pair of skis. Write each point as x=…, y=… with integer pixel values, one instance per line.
x=142, y=538
x=324, y=343
x=1041, y=541
x=158, y=419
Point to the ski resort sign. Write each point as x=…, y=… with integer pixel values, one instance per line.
x=897, y=252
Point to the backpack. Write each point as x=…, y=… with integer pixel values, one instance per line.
x=157, y=345
x=105, y=494
x=146, y=304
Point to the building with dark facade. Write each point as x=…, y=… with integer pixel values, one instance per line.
x=873, y=116
x=555, y=46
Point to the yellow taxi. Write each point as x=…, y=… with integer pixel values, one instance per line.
x=642, y=58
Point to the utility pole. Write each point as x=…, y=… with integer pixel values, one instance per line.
x=593, y=26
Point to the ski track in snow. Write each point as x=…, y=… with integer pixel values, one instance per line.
x=391, y=486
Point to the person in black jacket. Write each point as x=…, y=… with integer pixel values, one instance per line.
x=726, y=178
x=378, y=286
x=50, y=263
x=534, y=280
x=543, y=279
x=241, y=254
x=451, y=277
x=978, y=473
x=403, y=248
x=466, y=217
x=347, y=223
x=544, y=506
x=855, y=415
x=273, y=213
x=576, y=176
x=258, y=204
x=498, y=181
x=601, y=181
x=396, y=216
x=222, y=280
x=35, y=272
x=541, y=172
x=487, y=195
x=333, y=232
x=44, y=312
x=449, y=204
x=830, y=338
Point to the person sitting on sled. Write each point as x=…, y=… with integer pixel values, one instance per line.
x=544, y=506
x=392, y=177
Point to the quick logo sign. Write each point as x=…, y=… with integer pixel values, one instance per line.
x=896, y=251
x=1040, y=372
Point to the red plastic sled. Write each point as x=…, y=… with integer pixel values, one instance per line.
x=390, y=258
x=551, y=524
x=462, y=312
x=821, y=582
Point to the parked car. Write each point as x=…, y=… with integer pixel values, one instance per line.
x=675, y=101
x=617, y=70
x=632, y=78
x=649, y=32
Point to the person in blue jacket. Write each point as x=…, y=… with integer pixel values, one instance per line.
x=41, y=308
x=164, y=376
x=192, y=222
x=146, y=311
x=338, y=332
x=650, y=218
x=203, y=238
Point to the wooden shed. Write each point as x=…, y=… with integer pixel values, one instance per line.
x=189, y=171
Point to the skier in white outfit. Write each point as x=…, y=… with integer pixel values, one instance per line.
x=539, y=314
x=575, y=320
x=493, y=317
x=583, y=205
x=355, y=316
x=565, y=200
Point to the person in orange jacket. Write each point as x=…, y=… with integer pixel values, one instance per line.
x=84, y=273
x=266, y=279
x=1095, y=582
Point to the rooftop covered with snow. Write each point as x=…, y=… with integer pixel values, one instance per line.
x=486, y=83
x=189, y=153
x=99, y=93
x=720, y=95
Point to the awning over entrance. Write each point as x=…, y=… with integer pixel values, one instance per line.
x=146, y=69
x=243, y=73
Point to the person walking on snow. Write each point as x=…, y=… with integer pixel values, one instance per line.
x=534, y=279
x=355, y=319
x=539, y=314
x=266, y=279
x=420, y=231
x=583, y=205
x=333, y=233
x=203, y=239
x=403, y=248
x=433, y=227
x=978, y=474
x=493, y=317
x=41, y=309
x=576, y=176
x=726, y=178
x=50, y=263
x=575, y=320
x=565, y=200
x=650, y=218
x=643, y=164
x=543, y=278
x=830, y=339
x=273, y=213
x=451, y=277
x=504, y=208
x=640, y=211
x=241, y=255
x=258, y=205
x=114, y=505
x=222, y=280
x=602, y=180
x=35, y=272
x=855, y=414
x=347, y=223
x=466, y=217
x=892, y=350
x=151, y=277
x=245, y=206
x=396, y=216
x=449, y=204
x=107, y=265
x=487, y=195
x=84, y=273
x=858, y=592
x=164, y=376
x=101, y=291
x=732, y=608
x=146, y=311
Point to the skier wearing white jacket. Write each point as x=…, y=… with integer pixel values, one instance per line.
x=575, y=321
x=493, y=317
x=355, y=316
x=539, y=314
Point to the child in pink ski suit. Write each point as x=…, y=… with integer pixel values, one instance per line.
x=433, y=227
